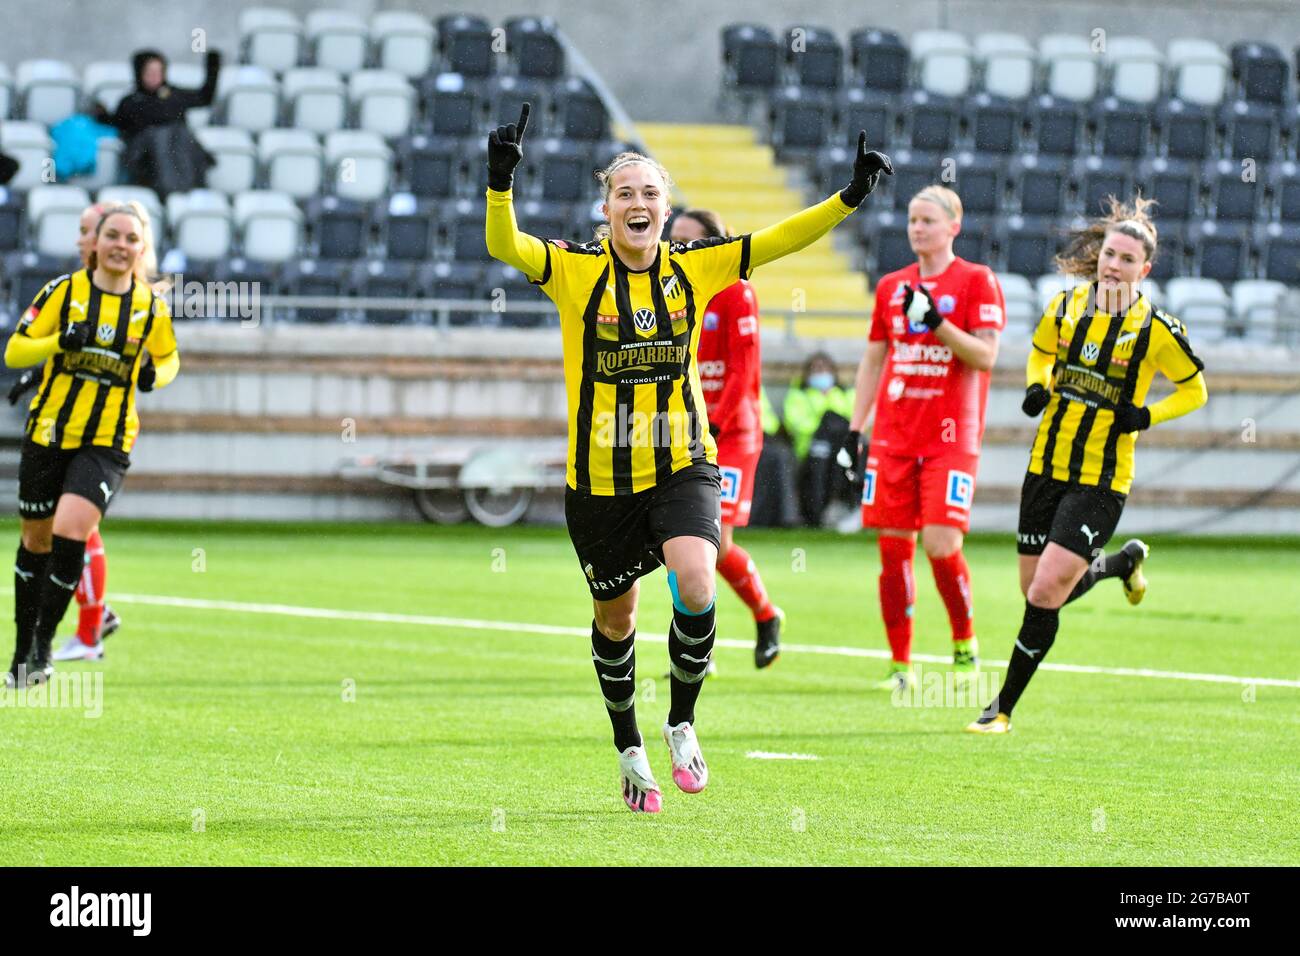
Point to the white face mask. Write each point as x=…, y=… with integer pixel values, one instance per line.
x=821, y=381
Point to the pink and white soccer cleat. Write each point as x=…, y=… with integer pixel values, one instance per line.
x=640, y=792
x=690, y=773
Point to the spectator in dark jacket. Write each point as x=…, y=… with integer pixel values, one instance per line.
x=8, y=168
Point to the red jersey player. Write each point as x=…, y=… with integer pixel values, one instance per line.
x=933, y=340
x=730, y=365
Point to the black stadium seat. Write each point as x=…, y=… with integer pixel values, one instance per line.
x=26, y=273
x=1220, y=250
x=504, y=95
x=1185, y=130
x=885, y=233
x=979, y=182
x=814, y=56
x=1250, y=130
x=995, y=124
x=975, y=241
x=932, y=120
x=452, y=105
x=11, y=214
x=912, y=173
x=507, y=285
x=801, y=119
x=379, y=279
x=316, y=277
x=832, y=169
x=880, y=59
x=452, y=280
x=1027, y=245
x=563, y=169
x=751, y=57
x=431, y=165
x=340, y=227
x=1123, y=128
x=870, y=110
x=1233, y=195
x=1098, y=177
x=1057, y=125
x=1262, y=72
x=1170, y=250
x=1279, y=251
x=580, y=110
x=1041, y=183
x=465, y=44
x=546, y=220
x=535, y=47
x=1173, y=184
x=1285, y=184
x=407, y=226
x=465, y=237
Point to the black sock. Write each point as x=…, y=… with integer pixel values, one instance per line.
x=616, y=669
x=29, y=575
x=61, y=577
x=1117, y=565
x=1034, y=641
x=690, y=645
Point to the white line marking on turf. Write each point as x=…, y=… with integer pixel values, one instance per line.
x=765, y=755
x=518, y=627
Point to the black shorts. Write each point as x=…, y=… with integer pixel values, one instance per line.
x=1080, y=518
x=44, y=474
x=618, y=538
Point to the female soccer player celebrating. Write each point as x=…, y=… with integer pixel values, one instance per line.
x=933, y=339
x=643, y=484
x=1095, y=352
x=730, y=363
x=91, y=329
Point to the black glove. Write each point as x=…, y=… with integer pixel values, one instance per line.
x=1132, y=418
x=144, y=381
x=931, y=319
x=25, y=381
x=867, y=167
x=852, y=456
x=1036, y=399
x=75, y=336
x=505, y=150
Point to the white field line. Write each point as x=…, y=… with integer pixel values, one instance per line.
x=766, y=755
x=519, y=627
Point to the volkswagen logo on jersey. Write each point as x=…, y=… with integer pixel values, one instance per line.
x=644, y=319
x=105, y=334
x=1090, y=352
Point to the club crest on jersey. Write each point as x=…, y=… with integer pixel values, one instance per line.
x=105, y=334
x=961, y=490
x=644, y=320
x=710, y=321
x=672, y=287
x=1090, y=352
x=730, y=484
x=946, y=304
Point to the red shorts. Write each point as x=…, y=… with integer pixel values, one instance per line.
x=737, y=469
x=908, y=493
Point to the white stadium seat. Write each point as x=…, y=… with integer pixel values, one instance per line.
x=315, y=99
x=6, y=91
x=1072, y=66
x=236, y=156
x=53, y=214
x=404, y=42
x=270, y=38
x=48, y=90
x=144, y=196
x=1136, y=69
x=1154, y=292
x=107, y=81
x=338, y=40
x=200, y=223
x=1009, y=64
x=270, y=224
x=292, y=160
x=1049, y=285
x=248, y=97
x=382, y=101
x=1257, y=304
x=358, y=163
x=1201, y=304
x=943, y=61
x=1022, y=303
x=1199, y=69
x=30, y=144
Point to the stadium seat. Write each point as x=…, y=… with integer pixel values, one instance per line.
x=452, y=105
x=547, y=220
x=201, y=225
x=1171, y=252
x=336, y=40
x=1173, y=184
x=431, y=165
x=1008, y=64
x=932, y=121
x=1072, y=67
x=912, y=172
x=579, y=109
x=1285, y=187
x=270, y=224
x=30, y=144
x=1123, y=129
x=359, y=164
x=1250, y=130
x=465, y=43
x=1027, y=245
x=1257, y=306
x=1202, y=305
x=1261, y=71
x=381, y=101
x=316, y=277
x=106, y=82
x=1098, y=177
x=291, y=159
x=235, y=169
x=53, y=214
x=888, y=249
x=11, y=217
x=403, y=42
x=378, y=279
x=800, y=119
x=1041, y=183
x=1184, y=130
x=1279, y=252
x=814, y=56
x=980, y=181
x=564, y=169
x=509, y=286
x=407, y=226
x=1021, y=300
x=943, y=61
x=145, y=197
x=315, y=99
x=48, y=91
x=247, y=97
x=535, y=47
x=1153, y=291
x=465, y=237
x=995, y=124
x=1057, y=125
x=1048, y=286
x=244, y=281
x=26, y=274
x=1200, y=70
x=1220, y=250
x=1136, y=69
x=880, y=59
x=339, y=227
x=270, y=37
x=975, y=241
x=454, y=281
x=751, y=57
x=1233, y=195
x=504, y=95
x=6, y=92
x=833, y=168
x=871, y=110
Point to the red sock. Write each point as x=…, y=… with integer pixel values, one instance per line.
x=896, y=594
x=952, y=577
x=90, y=590
x=743, y=577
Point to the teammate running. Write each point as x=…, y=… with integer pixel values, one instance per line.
x=1095, y=352
x=643, y=483
x=731, y=363
x=933, y=339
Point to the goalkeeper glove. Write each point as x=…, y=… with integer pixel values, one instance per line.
x=75, y=336
x=148, y=374
x=1132, y=418
x=852, y=456
x=918, y=306
x=867, y=167
x=25, y=381
x=505, y=150
x=1036, y=399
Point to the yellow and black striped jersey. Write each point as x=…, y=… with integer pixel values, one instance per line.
x=87, y=397
x=1101, y=361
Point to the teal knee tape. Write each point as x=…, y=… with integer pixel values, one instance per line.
x=677, y=598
